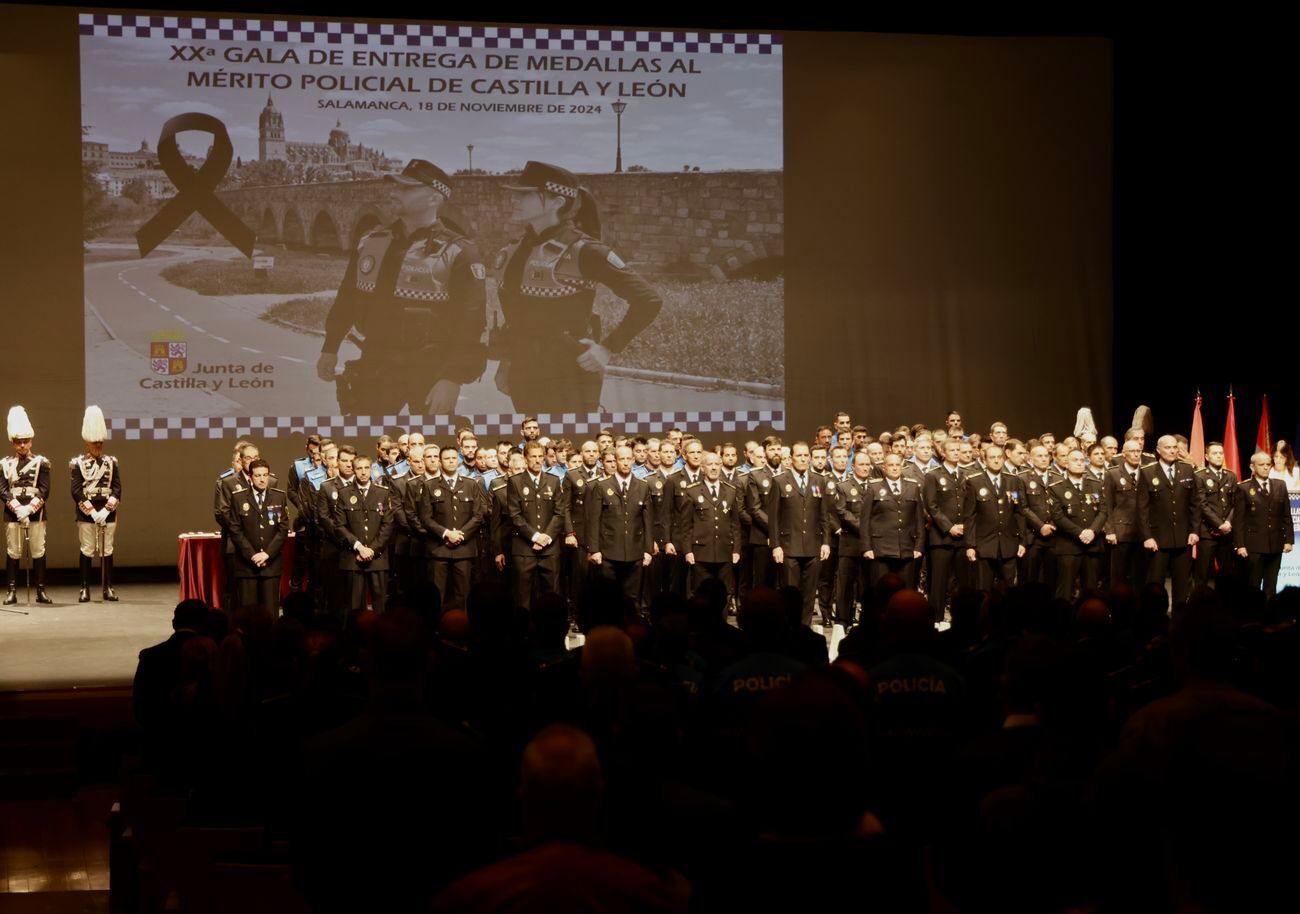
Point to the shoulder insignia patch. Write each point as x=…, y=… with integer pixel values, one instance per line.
x=615, y=261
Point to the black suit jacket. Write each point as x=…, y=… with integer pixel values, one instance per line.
x=254, y=531
x=576, y=484
x=762, y=482
x=156, y=675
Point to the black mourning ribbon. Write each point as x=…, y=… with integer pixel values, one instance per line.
x=194, y=189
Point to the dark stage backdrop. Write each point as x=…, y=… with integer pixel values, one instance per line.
x=947, y=243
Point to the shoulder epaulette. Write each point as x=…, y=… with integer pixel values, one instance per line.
x=227, y=474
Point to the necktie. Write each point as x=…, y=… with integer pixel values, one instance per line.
x=1078, y=486
x=1264, y=486
x=260, y=497
x=997, y=484
x=895, y=487
x=622, y=487
x=713, y=490
x=1169, y=471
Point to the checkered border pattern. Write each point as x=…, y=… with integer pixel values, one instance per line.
x=503, y=424
x=189, y=28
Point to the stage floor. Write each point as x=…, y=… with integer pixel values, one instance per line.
x=82, y=645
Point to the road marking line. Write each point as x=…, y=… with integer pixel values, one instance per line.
x=152, y=299
x=250, y=349
x=181, y=319
x=220, y=339
x=289, y=358
x=200, y=329
x=161, y=305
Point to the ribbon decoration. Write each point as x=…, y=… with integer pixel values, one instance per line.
x=194, y=189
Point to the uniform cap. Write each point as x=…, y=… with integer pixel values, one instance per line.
x=418, y=171
x=540, y=176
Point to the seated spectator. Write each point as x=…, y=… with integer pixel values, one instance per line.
x=562, y=867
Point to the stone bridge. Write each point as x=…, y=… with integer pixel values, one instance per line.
x=697, y=224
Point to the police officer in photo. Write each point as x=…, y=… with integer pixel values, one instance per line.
x=96, y=491
x=1169, y=514
x=414, y=295
x=995, y=523
x=947, y=498
x=24, y=489
x=552, y=348
x=798, y=528
x=1218, y=503
x=259, y=526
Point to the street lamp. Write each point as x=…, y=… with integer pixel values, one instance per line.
x=619, y=107
x=470, y=147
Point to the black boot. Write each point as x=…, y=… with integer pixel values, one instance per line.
x=11, y=573
x=109, y=596
x=84, y=596
x=39, y=566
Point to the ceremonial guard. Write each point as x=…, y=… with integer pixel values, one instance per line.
x=552, y=348
x=414, y=299
x=259, y=526
x=24, y=489
x=96, y=491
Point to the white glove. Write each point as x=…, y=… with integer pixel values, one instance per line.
x=21, y=512
x=101, y=516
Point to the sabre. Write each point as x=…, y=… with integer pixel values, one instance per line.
x=27, y=548
x=103, y=574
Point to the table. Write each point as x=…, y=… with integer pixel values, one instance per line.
x=203, y=569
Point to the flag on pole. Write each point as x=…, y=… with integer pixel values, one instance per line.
x=1264, y=439
x=1196, y=448
x=1231, y=457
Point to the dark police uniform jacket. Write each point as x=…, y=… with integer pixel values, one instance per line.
x=536, y=507
x=995, y=525
x=1218, y=498
x=1074, y=511
x=365, y=518
x=895, y=525
x=1168, y=512
x=1263, y=521
x=619, y=526
x=255, y=530
x=706, y=525
x=947, y=496
x=797, y=521
x=463, y=505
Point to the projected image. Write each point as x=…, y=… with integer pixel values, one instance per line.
x=289, y=223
